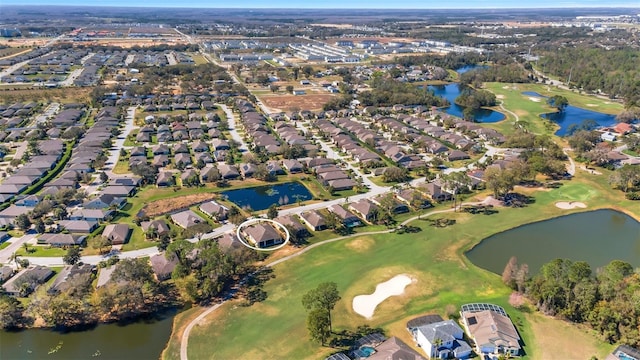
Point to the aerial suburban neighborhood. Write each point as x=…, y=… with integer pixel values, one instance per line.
x=303, y=183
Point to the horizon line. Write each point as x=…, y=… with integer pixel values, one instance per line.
x=323, y=8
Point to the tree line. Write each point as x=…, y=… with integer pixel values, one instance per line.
x=612, y=71
x=608, y=299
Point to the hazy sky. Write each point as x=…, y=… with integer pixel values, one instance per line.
x=369, y=4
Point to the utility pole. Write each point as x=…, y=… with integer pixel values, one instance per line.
x=570, y=73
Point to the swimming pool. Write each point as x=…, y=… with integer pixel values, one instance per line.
x=366, y=351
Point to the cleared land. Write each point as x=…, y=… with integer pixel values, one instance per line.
x=165, y=206
x=287, y=102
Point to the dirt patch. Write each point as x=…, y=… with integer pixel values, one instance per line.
x=165, y=206
x=361, y=244
x=302, y=102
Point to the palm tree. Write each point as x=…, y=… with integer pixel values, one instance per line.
x=14, y=257
x=437, y=343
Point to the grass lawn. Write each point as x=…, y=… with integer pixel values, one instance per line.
x=631, y=153
x=4, y=245
x=41, y=251
x=434, y=258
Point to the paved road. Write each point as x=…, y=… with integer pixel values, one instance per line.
x=13, y=68
x=48, y=112
x=16, y=244
x=231, y=120
x=114, y=152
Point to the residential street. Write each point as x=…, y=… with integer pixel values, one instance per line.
x=231, y=120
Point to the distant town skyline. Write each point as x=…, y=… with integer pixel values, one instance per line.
x=338, y=4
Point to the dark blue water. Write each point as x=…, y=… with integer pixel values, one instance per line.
x=261, y=197
x=574, y=116
x=597, y=237
x=451, y=92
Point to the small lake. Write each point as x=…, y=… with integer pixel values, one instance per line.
x=574, y=116
x=261, y=197
x=451, y=92
x=144, y=339
x=597, y=237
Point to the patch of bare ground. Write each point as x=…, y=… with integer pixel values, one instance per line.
x=166, y=206
x=302, y=102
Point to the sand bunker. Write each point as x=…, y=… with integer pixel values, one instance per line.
x=534, y=99
x=568, y=205
x=365, y=305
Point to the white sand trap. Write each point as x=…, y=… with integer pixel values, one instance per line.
x=568, y=205
x=500, y=96
x=365, y=305
x=592, y=105
x=536, y=99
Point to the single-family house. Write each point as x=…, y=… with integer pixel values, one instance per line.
x=292, y=166
x=442, y=340
x=294, y=225
x=118, y=234
x=163, y=264
x=61, y=240
x=491, y=329
x=75, y=273
x=262, y=235
x=365, y=209
x=160, y=226
x=78, y=226
x=104, y=201
x=31, y=277
x=394, y=349
x=215, y=210
x=314, y=220
x=165, y=179
x=98, y=215
x=347, y=218
x=186, y=219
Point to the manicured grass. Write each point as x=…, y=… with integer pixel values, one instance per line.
x=631, y=153
x=434, y=258
x=4, y=245
x=121, y=167
x=41, y=251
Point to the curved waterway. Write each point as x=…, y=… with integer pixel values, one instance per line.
x=144, y=339
x=597, y=237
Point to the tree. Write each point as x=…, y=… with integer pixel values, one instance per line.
x=272, y=213
x=40, y=227
x=509, y=272
x=395, y=174
x=558, y=101
x=319, y=325
x=103, y=177
x=324, y=297
x=274, y=88
x=22, y=222
x=11, y=313
x=100, y=243
x=72, y=256
x=289, y=89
